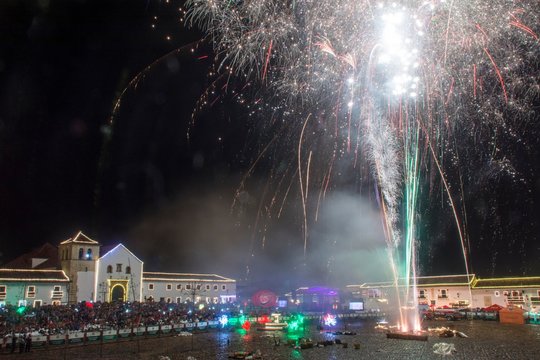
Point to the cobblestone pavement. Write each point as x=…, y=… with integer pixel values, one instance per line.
x=486, y=340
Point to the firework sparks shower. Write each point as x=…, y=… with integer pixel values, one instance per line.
x=387, y=81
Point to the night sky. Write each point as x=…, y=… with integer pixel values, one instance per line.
x=68, y=162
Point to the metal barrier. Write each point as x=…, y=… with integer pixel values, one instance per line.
x=165, y=329
x=124, y=333
x=84, y=337
x=75, y=337
x=92, y=335
x=109, y=335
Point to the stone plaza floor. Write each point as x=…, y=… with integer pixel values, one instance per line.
x=486, y=340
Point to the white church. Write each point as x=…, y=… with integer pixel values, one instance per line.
x=118, y=275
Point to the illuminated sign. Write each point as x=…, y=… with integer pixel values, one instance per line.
x=359, y=305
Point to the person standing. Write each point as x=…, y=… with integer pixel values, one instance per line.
x=28, y=343
x=21, y=343
x=13, y=341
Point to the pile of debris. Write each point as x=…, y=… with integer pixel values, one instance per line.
x=246, y=355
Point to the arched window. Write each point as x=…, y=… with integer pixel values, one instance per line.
x=89, y=254
x=128, y=269
x=81, y=251
x=109, y=269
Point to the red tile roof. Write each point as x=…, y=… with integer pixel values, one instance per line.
x=46, y=251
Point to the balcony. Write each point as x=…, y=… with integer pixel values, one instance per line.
x=2, y=296
x=442, y=297
x=57, y=294
x=515, y=299
x=535, y=300
x=31, y=294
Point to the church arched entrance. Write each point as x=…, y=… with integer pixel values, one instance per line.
x=118, y=293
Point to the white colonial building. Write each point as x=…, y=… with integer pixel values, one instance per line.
x=118, y=276
x=454, y=291
x=188, y=287
x=523, y=292
x=30, y=287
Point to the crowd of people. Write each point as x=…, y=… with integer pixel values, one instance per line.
x=58, y=319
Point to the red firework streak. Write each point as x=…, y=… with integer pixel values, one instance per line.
x=474, y=80
x=498, y=74
x=268, y=53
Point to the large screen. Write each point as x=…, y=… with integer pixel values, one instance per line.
x=359, y=305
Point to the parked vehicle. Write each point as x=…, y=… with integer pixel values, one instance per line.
x=442, y=314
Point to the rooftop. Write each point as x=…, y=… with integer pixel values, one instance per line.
x=509, y=282
x=161, y=276
x=425, y=281
x=33, y=275
x=43, y=257
x=80, y=238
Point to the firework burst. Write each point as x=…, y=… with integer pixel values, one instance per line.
x=392, y=81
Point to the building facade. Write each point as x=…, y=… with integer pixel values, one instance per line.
x=523, y=292
x=30, y=287
x=78, y=257
x=314, y=298
x=454, y=291
x=188, y=287
x=118, y=276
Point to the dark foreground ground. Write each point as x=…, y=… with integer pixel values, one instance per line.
x=487, y=340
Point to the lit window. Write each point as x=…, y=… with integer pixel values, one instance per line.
x=150, y=286
x=128, y=269
x=118, y=267
x=216, y=300
x=109, y=269
x=89, y=254
x=169, y=287
x=178, y=286
x=207, y=300
x=31, y=291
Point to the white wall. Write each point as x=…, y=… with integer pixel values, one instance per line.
x=119, y=255
x=160, y=290
x=85, y=285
